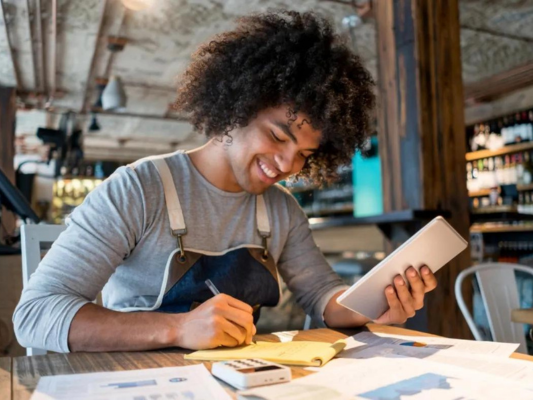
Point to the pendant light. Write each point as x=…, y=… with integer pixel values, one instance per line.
x=114, y=97
x=137, y=5
x=94, y=126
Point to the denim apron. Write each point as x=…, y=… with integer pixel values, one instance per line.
x=247, y=272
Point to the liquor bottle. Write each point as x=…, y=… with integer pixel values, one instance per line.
x=498, y=164
x=528, y=169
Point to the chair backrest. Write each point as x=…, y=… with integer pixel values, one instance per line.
x=34, y=240
x=499, y=292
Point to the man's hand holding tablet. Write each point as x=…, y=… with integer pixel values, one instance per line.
x=394, y=289
x=404, y=300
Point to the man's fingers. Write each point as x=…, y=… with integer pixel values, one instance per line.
x=430, y=282
x=417, y=288
x=239, y=317
x=227, y=340
x=243, y=319
x=233, y=302
x=405, y=296
x=392, y=298
x=236, y=332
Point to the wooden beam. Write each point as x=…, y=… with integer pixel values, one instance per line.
x=10, y=45
x=499, y=85
x=8, y=109
x=90, y=74
x=53, y=80
x=519, y=100
x=32, y=46
x=42, y=88
x=421, y=132
x=491, y=32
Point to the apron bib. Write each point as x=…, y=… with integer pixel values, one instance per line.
x=247, y=272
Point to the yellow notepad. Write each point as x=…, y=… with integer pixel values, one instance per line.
x=301, y=353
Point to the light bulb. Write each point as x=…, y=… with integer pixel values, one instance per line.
x=137, y=5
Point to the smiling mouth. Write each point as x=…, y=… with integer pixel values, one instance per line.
x=267, y=171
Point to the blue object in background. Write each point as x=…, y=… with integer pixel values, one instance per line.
x=368, y=193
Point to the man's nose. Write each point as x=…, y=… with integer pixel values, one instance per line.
x=285, y=162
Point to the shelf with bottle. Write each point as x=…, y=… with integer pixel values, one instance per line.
x=522, y=188
x=74, y=184
x=511, y=251
x=502, y=227
x=330, y=199
x=485, y=175
x=505, y=135
x=480, y=193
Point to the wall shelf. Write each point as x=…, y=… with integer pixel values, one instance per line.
x=522, y=188
x=499, y=216
x=501, y=228
x=512, y=148
x=479, y=193
x=396, y=217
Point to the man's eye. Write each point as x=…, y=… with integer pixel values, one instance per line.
x=277, y=139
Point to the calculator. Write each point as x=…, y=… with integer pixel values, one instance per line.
x=249, y=373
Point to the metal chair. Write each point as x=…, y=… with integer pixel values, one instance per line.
x=499, y=292
x=34, y=240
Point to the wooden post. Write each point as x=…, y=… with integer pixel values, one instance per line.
x=421, y=131
x=8, y=108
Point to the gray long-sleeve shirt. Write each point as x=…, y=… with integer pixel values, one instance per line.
x=118, y=242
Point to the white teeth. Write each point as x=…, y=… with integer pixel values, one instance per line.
x=267, y=171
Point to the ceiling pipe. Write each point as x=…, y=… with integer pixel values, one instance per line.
x=62, y=110
x=109, y=63
x=10, y=46
x=150, y=87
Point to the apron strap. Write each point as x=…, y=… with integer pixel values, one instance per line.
x=263, y=224
x=175, y=214
x=261, y=216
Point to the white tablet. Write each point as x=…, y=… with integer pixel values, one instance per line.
x=434, y=245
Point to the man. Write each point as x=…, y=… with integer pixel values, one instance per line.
x=278, y=97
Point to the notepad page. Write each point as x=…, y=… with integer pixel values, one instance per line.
x=293, y=353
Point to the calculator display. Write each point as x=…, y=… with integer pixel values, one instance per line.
x=259, y=369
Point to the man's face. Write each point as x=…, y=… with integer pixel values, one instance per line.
x=270, y=149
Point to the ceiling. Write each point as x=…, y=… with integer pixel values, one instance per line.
x=495, y=36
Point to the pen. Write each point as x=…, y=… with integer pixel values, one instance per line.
x=212, y=287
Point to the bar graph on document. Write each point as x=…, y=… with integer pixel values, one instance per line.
x=413, y=379
x=175, y=383
x=410, y=387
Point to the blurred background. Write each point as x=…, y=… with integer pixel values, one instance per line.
x=88, y=85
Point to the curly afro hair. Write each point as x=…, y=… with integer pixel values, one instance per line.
x=275, y=59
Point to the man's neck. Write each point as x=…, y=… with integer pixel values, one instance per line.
x=212, y=162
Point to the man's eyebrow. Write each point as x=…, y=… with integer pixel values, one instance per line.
x=286, y=130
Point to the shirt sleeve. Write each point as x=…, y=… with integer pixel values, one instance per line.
x=100, y=234
x=304, y=268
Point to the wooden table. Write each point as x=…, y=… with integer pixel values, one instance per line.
x=19, y=375
x=522, y=316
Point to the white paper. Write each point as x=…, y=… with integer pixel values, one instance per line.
x=285, y=336
x=520, y=371
x=191, y=382
x=411, y=379
x=440, y=344
x=293, y=391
